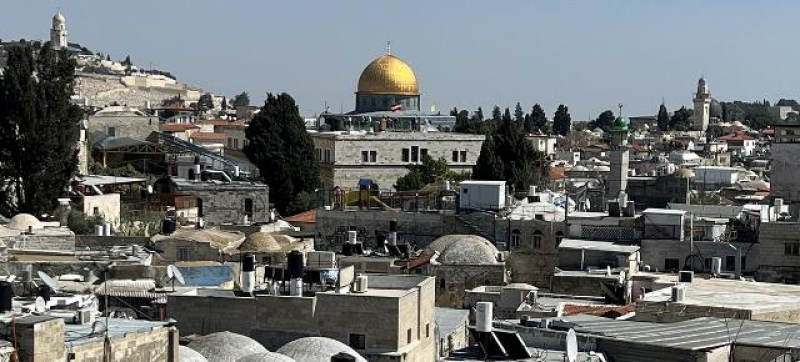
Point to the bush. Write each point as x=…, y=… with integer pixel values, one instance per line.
x=82, y=224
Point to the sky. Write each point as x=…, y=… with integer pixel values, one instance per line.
x=589, y=55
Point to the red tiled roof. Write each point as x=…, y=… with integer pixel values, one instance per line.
x=208, y=136
x=597, y=310
x=177, y=127
x=738, y=136
x=223, y=122
x=309, y=216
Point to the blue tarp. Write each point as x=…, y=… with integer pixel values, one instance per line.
x=206, y=276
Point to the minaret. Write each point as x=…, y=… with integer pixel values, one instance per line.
x=58, y=34
x=702, y=106
x=618, y=178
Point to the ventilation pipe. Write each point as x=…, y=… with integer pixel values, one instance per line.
x=392, y=238
x=107, y=229
x=248, y=273
x=196, y=168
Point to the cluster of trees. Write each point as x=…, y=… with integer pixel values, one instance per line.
x=535, y=121
x=241, y=99
x=283, y=151
x=39, y=128
x=679, y=121
x=753, y=114
x=428, y=172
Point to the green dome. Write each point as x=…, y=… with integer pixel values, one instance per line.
x=620, y=124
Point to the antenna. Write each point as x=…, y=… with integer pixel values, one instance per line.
x=620, y=109
x=47, y=280
x=174, y=274
x=572, y=346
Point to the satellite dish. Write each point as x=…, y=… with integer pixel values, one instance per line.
x=174, y=274
x=572, y=346
x=98, y=327
x=47, y=280
x=40, y=306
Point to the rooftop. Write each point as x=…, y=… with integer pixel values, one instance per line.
x=575, y=244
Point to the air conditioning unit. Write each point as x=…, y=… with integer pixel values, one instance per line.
x=360, y=284
x=84, y=316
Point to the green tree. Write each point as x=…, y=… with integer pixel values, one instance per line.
x=537, y=120
x=681, y=120
x=663, y=118
x=39, y=128
x=463, y=123
x=224, y=105
x=280, y=147
x=562, y=121
x=205, y=102
x=127, y=61
x=509, y=156
x=519, y=115
x=604, y=121
x=241, y=99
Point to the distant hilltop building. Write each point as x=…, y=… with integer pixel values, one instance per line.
x=58, y=33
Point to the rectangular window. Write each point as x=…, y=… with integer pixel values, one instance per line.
x=427, y=330
x=183, y=254
x=463, y=156
x=414, y=153
x=112, y=132
x=455, y=156
x=373, y=156
x=406, y=154
x=792, y=249
x=422, y=153
x=357, y=341
x=236, y=143
x=707, y=262
x=364, y=156
x=230, y=142
x=408, y=334
x=671, y=265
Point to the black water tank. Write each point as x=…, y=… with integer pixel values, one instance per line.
x=685, y=276
x=167, y=226
x=393, y=225
x=295, y=261
x=342, y=357
x=6, y=296
x=249, y=263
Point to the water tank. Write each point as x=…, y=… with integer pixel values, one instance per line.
x=685, y=276
x=167, y=226
x=483, y=316
x=296, y=287
x=613, y=209
x=295, y=263
x=99, y=230
x=341, y=356
x=6, y=296
x=107, y=229
x=716, y=265
x=352, y=236
x=678, y=293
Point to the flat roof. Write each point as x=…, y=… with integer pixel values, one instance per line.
x=477, y=182
x=77, y=334
x=664, y=211
x=696, y=334
x=96, y=180
x=731, y=294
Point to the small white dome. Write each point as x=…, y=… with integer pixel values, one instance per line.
x=266, y=357
x=23, y=221
x=58, y=17
x=226, y=346
x=317, y=349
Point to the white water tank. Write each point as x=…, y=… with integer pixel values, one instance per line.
x=716, y=265
x=107, y=229
x=361, y=284
x=99, y=230
x=483, y=316
x=296, y=287
x=678, y=293
x=351, y=236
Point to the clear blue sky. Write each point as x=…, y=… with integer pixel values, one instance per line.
x=589, y=55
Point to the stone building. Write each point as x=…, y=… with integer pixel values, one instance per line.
x=216, y=202
x=121, y=121
x=26, y=233
x=383, y=157
x=785, y=165
x=393, y=320
x=48, y=339
x=188, y=244
x=779, y=253
x=533, y=250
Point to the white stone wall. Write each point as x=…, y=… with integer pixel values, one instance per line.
x=107, y=205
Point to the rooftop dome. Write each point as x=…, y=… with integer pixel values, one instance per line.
x=388, y=75
x=23, y=221
x=464, y=250
x=58, y=18
x=226, y=346
x=620, y=124
x=189, y=355
x=317, y=349
x=260, y=242
x=266, y=357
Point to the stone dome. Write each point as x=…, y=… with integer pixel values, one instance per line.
x=260, y=242
x=23, y=221
x=226, y=346
x=266, y=357
x=189, y=355
x=464, y=250
x=388, y=75
x=317, y=349
x=58, y=18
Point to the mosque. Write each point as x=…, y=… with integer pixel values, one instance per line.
x=387, y=99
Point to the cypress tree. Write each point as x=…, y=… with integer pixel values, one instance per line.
x=280, y=147
x=39, y=128
x=562, y=121
x=663, y=118
x=537, y=120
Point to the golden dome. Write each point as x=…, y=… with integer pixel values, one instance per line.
x=388, y=75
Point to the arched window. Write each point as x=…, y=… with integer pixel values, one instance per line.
x=199, y=207
x=559, y=236
x=248, y=207
x=191, y=174
x=441, y=283
x=537, y=239
x=515, y=236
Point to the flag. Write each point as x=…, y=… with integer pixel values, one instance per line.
x=397, y=107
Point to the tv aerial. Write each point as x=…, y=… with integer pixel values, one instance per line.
x=174, y=274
